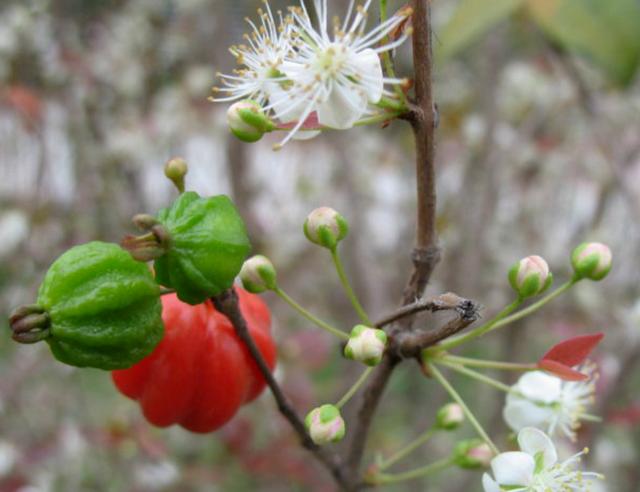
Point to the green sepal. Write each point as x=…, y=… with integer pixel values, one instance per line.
x=247, y=136
x=104, y=307
x=209, y=244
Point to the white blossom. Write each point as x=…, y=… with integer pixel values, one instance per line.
x=336, y=74
x=547, y=402
x=535, y=468
x=268, y=45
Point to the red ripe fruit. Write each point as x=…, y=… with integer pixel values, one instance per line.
x=201, y=373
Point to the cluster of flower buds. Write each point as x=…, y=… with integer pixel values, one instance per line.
x=325, y=227
x=366, y=345
x=531, y=276
x=325, y=424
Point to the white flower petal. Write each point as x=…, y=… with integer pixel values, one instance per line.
x=533, y=441
x=523, y=413
x=513, y=468
x=285, y=108
x=342, y=108
x=489, y=484
x=540, y=386
x=369, y=69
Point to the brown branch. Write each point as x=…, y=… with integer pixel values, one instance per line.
x=227, y=304
x=426, y=253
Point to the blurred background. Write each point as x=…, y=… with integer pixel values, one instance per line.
x=538, y=150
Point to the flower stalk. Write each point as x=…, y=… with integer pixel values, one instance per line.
x=458, y=399
x=344, y=280
x=306, y=314
x=354, y=389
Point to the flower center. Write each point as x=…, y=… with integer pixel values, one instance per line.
x=331, y=60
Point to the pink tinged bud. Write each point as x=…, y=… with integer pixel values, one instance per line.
x=592, y=261
x=247, y=121
x=325, y=227
x=472, y=453
x=258, y=274
x=449, y=417
x=325, y=424
x=366, y=345
x=530, y=276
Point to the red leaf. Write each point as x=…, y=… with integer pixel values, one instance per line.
x=562, y=371
x=573, y=351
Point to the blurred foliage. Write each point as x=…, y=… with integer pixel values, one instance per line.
x=605, y=32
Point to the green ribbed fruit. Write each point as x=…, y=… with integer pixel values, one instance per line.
x=104, y=307
x=208, y=246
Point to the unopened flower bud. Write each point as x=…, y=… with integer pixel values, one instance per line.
x=325, y=424
x=325, y=227
x=247, y=121
x=449, y=417
x=472, y=453
x=530, y=276
x=258, y=274
x=176, y=169
x=591, y=260
x=366, y=345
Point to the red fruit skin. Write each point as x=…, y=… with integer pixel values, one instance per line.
x=201, y=373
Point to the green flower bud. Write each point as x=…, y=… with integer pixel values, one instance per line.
x=366, y=345
x=258, y=274
x=176, y=169
x=247, y=121
x=472, y=453
x=449, y=417
x=591, y=260
x=325, y=424
x=530, y=276
x=325, y=227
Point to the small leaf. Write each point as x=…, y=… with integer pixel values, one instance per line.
x=573, y=351
x=471, y=20
x=562, y=371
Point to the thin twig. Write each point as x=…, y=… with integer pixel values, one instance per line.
x=411, y=344
x=444, y=302
x=227, y=304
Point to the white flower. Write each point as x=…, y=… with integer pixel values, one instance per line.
x=335, y=74
x=544, y=401
x=536, y=468
x=268, y=46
